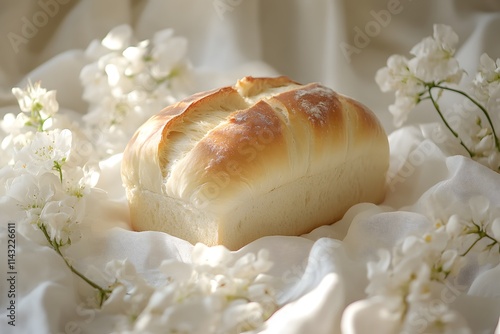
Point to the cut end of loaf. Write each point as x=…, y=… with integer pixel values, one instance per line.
x=266, y=157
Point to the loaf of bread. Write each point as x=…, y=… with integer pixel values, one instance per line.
x=268, y=156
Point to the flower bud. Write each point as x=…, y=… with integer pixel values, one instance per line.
x=455, y=226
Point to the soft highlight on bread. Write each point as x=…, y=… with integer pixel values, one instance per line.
x=268, y=156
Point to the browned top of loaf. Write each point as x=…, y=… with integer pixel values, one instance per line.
x=252, y=137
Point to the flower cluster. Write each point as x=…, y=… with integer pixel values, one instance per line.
x=486, y=84
x=417, y=280
x=48, y=177
x=434, y=68
x=37, y=106
x=46, y=181
x=213, y=294
x=128, y=81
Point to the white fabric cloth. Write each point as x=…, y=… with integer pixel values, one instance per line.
x=321, y=273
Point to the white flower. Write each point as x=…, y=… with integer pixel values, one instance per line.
x=434, y=61
x=38, y=103
x=80, y=181
x=135, y=55
x=32, y=192
x=118, y=38
x=18, y=136
x=419, y=289
x=444, y=40
x=397, y=77
x=95, y=83
x=14, y=124
x=61, y=221
x=46, y=150
x=249, y=266
x=457, y=226
x=402, y=108
x=24, y=200
x=168, y=53
x=474, y=226
x=487, y=81
x=36, y=98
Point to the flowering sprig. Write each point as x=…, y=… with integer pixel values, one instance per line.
x=415, y=274
x=128, y=81
x=434, y=67
x=46, y=187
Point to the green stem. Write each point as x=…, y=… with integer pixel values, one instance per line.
x=483, y=109
x=58, y=168
x=482, y=234
x=103, y=293
x=471, y=246
x=438, y=109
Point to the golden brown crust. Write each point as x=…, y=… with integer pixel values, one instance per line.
x=315, y=118
x=216, y=150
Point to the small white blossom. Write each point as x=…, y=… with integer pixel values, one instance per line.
x=397, y=77
x=118, y=38
x=46, y=151
x=473, y=229
x=434, y=61
x=476, y=135
x=38, y=104
x=60, y=218
x=32, y=192
x=167, y=54
x=80, y=181
x=466, y=226
x=24, y=200
x=35, y=97
x=487, y=81
x=14, y=125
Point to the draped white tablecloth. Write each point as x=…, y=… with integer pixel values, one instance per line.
x=322, y=272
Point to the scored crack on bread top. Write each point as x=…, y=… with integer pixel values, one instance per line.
x=216, y=149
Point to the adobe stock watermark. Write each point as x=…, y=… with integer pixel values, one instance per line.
x=223, y=6
x=364, y=35
x=30, y=26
